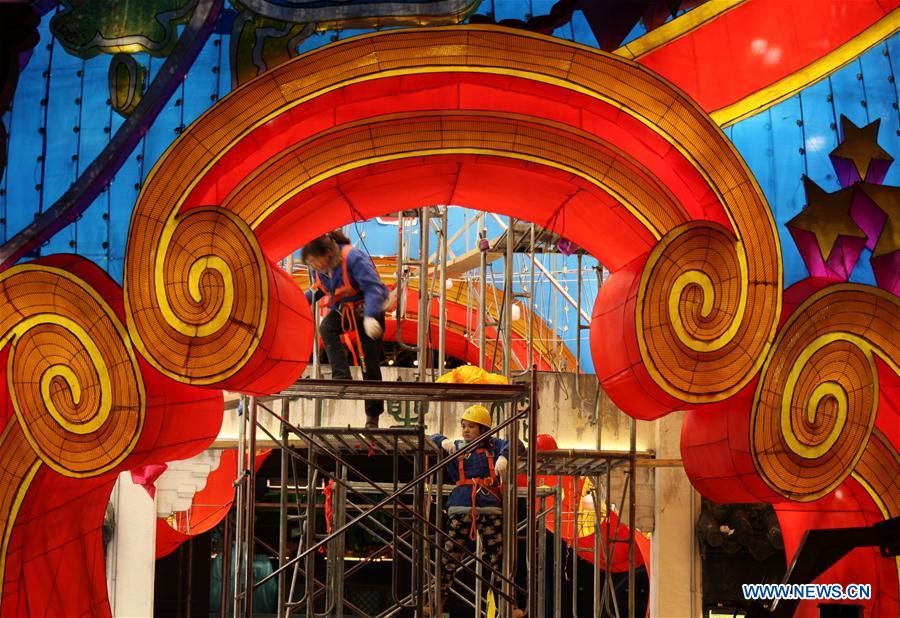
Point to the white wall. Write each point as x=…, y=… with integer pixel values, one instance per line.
x=131, y=554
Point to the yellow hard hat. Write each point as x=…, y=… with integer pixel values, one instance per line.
x=477, y=414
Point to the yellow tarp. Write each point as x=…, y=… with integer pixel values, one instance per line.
x=470, y=374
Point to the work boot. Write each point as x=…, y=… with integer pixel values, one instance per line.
x=371, y=422
x=518, y=613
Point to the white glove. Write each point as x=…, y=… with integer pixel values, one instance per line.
x=501, y=465
x=449, y=446
x=372, y=327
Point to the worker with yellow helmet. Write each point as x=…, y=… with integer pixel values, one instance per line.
x=475, y=505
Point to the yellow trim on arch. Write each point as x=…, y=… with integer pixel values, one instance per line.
x=677, y=28
x=808, y=75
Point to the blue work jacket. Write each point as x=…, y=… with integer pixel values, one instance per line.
x=475, y=465
x=363, y=277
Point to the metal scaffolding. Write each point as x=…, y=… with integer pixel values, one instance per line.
x=325, y=451
x=414, y=535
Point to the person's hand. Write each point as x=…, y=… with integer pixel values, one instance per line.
x=501, y=465
x=372, y=327
x=449, y=446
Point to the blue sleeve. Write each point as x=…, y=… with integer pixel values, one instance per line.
x=438, y=438
x=501, y=448
x=365, y=279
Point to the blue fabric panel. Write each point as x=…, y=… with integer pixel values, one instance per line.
x=881, y=99
x=581, y=30
x=849, y=94
x=201, y=85
x=63, y=132
x=26, y=144
x=821, y=135
x=92, y=229
x=4, y=180
x=167, y=126
x=316, y=41
x=785, y=193
x=893, y=47
x=223, y=81
x=510, y=9
x=122, y=194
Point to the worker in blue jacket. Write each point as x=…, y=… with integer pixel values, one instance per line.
x=346, y=278
x=475, y=505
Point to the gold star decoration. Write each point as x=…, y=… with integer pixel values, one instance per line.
x=887, y=198
x=860, y=146
x=827, y=216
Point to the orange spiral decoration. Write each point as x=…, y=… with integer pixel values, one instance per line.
x=73, y=377
x=694, y=307
x=814, y=409
x=196, y=293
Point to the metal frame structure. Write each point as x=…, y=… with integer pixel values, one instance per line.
x=416, y=533
x=408, y=499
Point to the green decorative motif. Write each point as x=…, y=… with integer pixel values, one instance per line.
x=126, y=83
x=407, y=413
x=90, y=27
x=259, y=43
x=266, y=33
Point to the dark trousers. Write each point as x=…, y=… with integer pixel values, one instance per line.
x=330, y=330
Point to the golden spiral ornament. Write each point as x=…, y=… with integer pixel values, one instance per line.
x=701, y=321
x=73, y=378
x=196, y=293
x=815, y=406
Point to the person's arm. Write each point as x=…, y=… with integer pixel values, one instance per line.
x=444, y=442
x=367, y=281
x=313, y=294
x=501, y=449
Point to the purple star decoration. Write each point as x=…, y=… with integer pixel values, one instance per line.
x=833, y=228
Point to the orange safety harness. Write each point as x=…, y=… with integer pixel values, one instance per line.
x=489, y=485
x=350, y=334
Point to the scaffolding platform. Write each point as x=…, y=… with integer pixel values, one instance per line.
x=351, y=441
x=571, y=462
x=405, y=391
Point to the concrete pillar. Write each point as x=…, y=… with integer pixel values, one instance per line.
x=675, y=582
x=131, y=554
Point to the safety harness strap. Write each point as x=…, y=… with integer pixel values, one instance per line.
x=489, y=485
